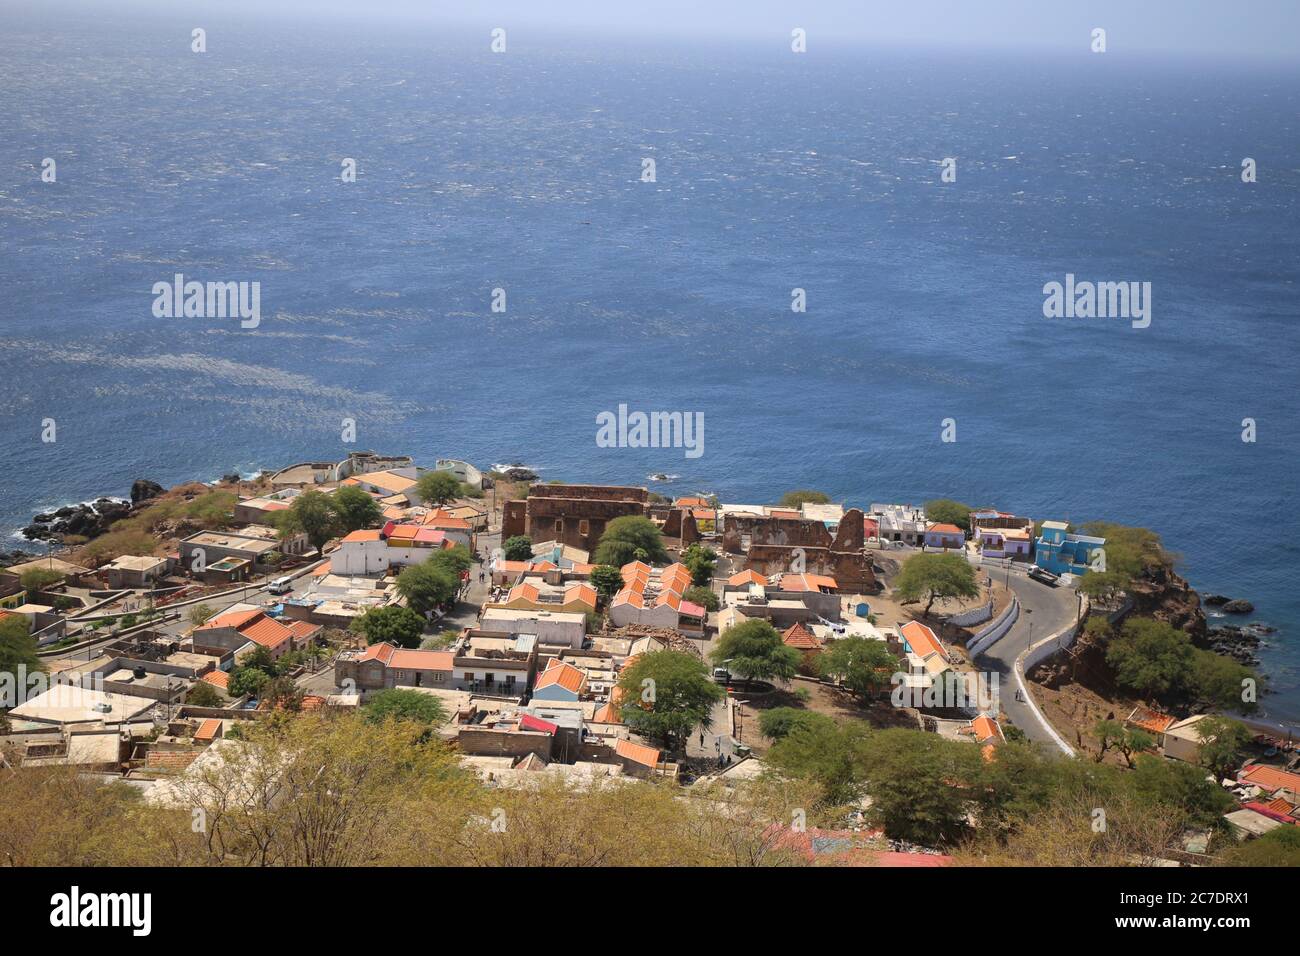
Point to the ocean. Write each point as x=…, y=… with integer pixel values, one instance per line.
x=523, y=172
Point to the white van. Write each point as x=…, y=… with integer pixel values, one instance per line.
x=281, y=585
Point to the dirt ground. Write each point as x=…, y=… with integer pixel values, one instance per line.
x=822, y=700
x=1074, y=710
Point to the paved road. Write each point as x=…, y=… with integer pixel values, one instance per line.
x=1044, y=611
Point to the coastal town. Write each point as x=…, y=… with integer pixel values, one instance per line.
x=588, y=637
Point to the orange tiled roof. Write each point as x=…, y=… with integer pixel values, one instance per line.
x=1150, y=720
x=746, y=577
x=922, y=640
x=363, y=535
x=208, y=729
x=671, y=598
x=266, y=631
x=944, y=528
x=985, y=728
x=1270, y=778
x=798, y=636
x=637, y=753
x=675, y=577
x=170, y=759
x=1283, y=807
x=607, y=714
x=235, y=619
x=303, y=629
x=563, y=674
x=216, y=679
x=629, y=596
x=581, y=592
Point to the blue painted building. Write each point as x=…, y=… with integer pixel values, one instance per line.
x=1060, y=552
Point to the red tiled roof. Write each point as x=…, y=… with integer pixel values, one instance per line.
x=943, y=528
x=529, y=722
x=798, y=636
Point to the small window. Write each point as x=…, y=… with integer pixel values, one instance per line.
x=559, y=524
x=584, y=527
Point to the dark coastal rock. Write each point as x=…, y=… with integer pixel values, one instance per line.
x=142, y=489
x=86, y=520
x=1238, y=606
x=1215, y=600
x=1238, y=643
x=517, y=473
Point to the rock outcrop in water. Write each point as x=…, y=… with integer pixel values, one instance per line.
x=93, y=519
x=143, y=489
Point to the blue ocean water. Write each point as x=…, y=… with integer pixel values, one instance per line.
x=478, y=171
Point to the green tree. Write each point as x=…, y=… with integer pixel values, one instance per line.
x=17, y=650
x=518, y=548
x=700, y=561
x=935, y=576
x=798, y=498
x=627, y=535
x=247, y=680
x=437, y=487
x=281, y=692
x=455, y=559
x=1222, y=741
x=1277, y=847
x=862, y=665
x=203, y=694
x=391, y=624
x=1104, y=586
x=667, y=695
x=607, y=581
x=947, y=511
x=311, y=513
x=35, y=580
x=260, y=658
x=1127, y=740
x=427, y=586
x=703, y=596
x=922, y=786
x=825, y=753
x=402, y=704
x=1172, y=783
x=1151, y=657
x=355, y=509
x=780, y=722
x=754, y=650
x=1219, y=681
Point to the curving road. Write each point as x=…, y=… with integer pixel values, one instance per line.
x=1044, y=611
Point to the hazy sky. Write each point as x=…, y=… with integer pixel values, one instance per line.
x=1241, y=29
x=1232, y=29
